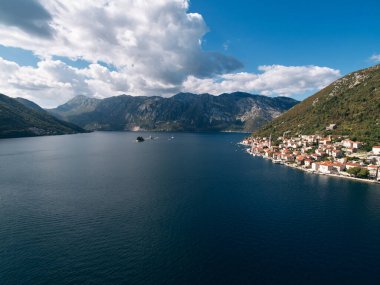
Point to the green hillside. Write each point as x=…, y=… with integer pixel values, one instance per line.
x=352, y=103
x=19, y=120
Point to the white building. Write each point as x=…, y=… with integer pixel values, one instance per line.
x=373, y=170
x=315, y=166
x=325, y=167
x=357, y=144
x=376, y=150
x=348, y=143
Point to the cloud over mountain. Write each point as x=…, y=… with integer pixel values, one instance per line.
x=273, y=80
x=154, y=48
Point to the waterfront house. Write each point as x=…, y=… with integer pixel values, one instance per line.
x=276, y=155
x=338, y=166
x=315, y=166
x=308, y=163
x=325, y=167
x=268, y=153
x=300, y=160
x=373, y=170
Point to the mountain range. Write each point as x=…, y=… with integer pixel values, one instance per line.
x=351, y=105
x=182, y=112
x=21, y=118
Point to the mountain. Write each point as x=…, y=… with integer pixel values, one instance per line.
x=30, y=104
x=21, y=118
x=352, y=103
x=183, y=112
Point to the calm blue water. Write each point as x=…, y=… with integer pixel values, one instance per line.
x=102, y=209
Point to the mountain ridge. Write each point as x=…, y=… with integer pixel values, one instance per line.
x=236, y=111
x=351, y=103
x=23, y=118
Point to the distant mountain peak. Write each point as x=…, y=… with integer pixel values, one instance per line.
x=181, y=112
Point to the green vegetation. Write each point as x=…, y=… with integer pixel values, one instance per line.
x=352, y=103
x=358, y=172
x=18, y=120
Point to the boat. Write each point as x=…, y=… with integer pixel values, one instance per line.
x=151, y=138
x=140, y=139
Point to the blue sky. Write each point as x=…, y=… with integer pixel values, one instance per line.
x=338, y=34
x=102, y=49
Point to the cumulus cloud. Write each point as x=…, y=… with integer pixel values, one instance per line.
x=375, y=58
x=273, y=80
x=27, y=15
x=154, y=48
x=53, y=82
x=155, y=42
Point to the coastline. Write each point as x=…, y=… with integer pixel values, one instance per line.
x=312, y=171
x=334, y=175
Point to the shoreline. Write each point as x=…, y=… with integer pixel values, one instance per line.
x=334, y=175
x=315, y=172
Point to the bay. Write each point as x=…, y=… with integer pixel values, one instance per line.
x=100, y=208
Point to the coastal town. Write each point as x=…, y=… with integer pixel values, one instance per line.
x=327, y=155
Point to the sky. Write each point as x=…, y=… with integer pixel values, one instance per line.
x=53, y=50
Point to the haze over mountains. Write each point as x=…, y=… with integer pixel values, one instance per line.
x=352, y=103
x=183, y=112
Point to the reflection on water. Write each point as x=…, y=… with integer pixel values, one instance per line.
x=102, y=209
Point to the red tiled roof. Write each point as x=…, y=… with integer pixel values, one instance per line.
x=353, y=164
x=372, y=166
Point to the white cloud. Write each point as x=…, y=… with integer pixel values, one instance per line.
x=273, y=80
x=53, y=82
x=375, y=58
x=155, y=43
x=155, y=47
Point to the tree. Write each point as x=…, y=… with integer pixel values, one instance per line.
x=363, y=173
x=358, y=172
x=353, y=171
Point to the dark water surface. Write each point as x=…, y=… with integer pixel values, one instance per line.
x=102, y=209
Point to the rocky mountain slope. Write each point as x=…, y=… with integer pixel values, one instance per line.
x=352, y=103
x=182, y=112
x=22, y=118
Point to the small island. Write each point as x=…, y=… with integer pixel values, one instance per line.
x=331, y=155
x=140, y=139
